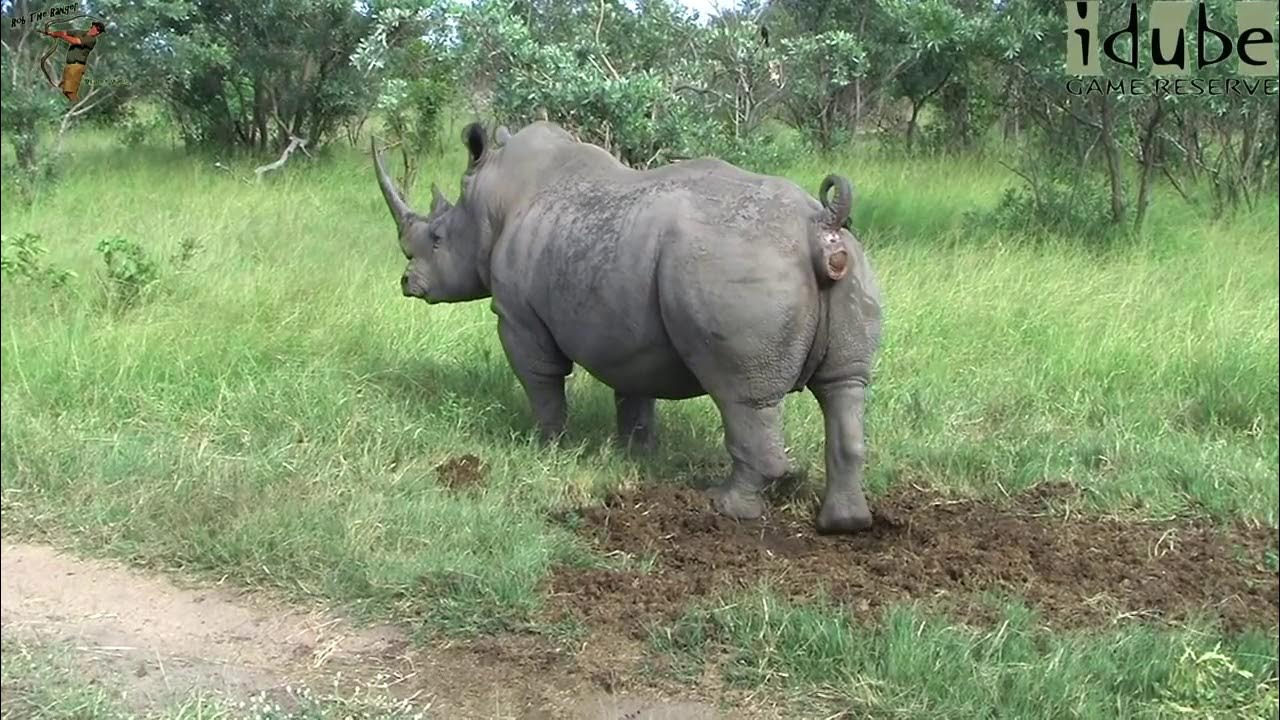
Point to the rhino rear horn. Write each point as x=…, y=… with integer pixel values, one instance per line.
x=400, y=210
x=439, y=203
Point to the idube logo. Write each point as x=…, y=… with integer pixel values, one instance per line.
x=1248, y=49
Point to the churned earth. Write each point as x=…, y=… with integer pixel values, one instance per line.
x=1076, y=570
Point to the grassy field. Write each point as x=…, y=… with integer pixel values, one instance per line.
x=271, y=410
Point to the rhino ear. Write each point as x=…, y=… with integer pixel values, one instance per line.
x=439, y=203
x=473, y=136
x=502, y=135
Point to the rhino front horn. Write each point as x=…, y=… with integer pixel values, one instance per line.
x=399, y=209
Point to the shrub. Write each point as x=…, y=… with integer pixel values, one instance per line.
x=1058, y=204
x=129, y=270
x=20, y=259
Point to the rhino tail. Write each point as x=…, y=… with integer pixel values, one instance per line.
x=831, y=256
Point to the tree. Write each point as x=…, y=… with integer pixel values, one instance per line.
x=406, y=50
x=820, y=69
x=613, y=81
x=243, y=73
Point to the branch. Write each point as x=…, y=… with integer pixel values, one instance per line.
x=1017, y=172
x=613, y=70
x=936, y=88
x=1052, y=98
x=26, y=28
x=294, y=143
x=652, y=159
x=231, y=172
x=1168, y=175
x=80, y=108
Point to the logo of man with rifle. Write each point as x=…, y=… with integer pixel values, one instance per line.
x=77, y=56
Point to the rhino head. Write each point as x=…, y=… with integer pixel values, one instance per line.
x=445, y=248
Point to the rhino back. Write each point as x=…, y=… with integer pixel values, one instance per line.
x=628, y=270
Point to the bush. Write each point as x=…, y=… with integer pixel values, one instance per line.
x=26, y=181
x=129, y=270
x=139, y=125
x=1076, y=207
x=768, y=149
x=20, y=259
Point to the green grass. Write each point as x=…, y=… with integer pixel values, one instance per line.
x=271, y=410
x=912, y=665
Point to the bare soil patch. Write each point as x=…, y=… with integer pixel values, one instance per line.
x=1076, y=570
x=156, y=643
x=462, y=472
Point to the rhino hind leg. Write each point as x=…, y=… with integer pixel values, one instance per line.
x=541, y=369
x=753, y=436
x=636, y=422
x=844, y=505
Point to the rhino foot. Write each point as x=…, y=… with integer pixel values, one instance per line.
x=834, y=520
x=732, y=501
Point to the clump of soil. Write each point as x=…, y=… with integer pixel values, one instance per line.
x=1076, y=570
x=462, y=472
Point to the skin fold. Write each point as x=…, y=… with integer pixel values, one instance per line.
x=696, y=278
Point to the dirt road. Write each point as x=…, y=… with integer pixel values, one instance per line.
x=157, y=643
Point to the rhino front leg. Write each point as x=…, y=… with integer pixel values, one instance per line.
x=541, y=369
x=844, y=506
x=753, y=437
x=636, y=421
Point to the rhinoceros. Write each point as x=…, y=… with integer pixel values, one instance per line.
x=695, y=278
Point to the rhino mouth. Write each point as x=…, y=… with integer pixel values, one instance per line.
x=410, y=289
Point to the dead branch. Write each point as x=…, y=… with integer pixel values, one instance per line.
x=22, y=10
x=232, y=173
x=609, y=65
x=26, y=28
x=294, y=144
x=82, y=106
x=1176, y=186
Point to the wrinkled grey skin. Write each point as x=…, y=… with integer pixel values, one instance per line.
x=697, y=278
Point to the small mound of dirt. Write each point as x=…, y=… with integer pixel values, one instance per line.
x=1075, y=570
x=462, y=472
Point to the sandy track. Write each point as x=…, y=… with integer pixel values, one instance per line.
x=156, y=643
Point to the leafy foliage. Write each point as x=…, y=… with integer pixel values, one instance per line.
x=606, y=87
x=129, y=270
x=244, y=74
x=20, y=259
x=408, y=51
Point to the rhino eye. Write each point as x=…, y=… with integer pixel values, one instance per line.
x=435, y=239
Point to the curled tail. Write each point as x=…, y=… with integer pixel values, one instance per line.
x=831, y=254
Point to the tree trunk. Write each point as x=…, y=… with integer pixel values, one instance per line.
x=857, y=82
x=259, y=113
x=1148, y=164
x=911, y=123
x=1112, y=153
